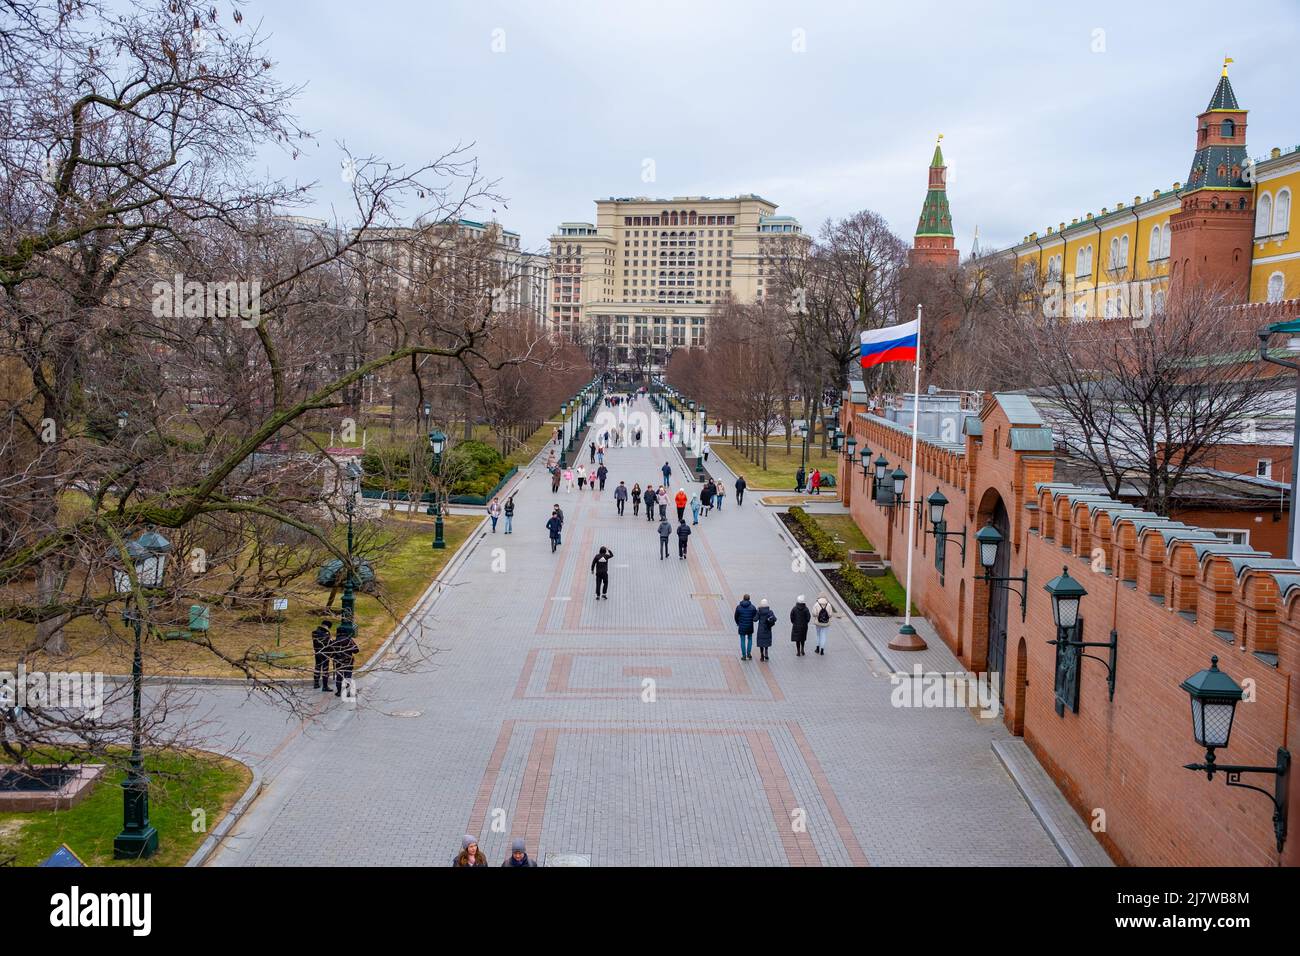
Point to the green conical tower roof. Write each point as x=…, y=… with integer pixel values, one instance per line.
x=936, y=218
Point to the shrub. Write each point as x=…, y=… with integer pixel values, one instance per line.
x=864, y=594
x=823, y=546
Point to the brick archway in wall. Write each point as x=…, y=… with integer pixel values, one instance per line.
x=991, y=507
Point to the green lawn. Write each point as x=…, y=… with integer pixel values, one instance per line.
x=179, y=785
x=845, y=529
x=781, y=467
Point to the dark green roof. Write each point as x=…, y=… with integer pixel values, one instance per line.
x=938, y=157
x=1223, y=98
x=1205, y=168
x=936, y=219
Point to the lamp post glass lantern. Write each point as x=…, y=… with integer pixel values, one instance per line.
x=437, y=442
x=138, y=839
x=990, y=540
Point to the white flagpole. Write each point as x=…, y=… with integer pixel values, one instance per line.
x=907, y=638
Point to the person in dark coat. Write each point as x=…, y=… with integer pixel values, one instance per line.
x=765, y=620
x=636, y=500
x=601, y=474
x=470, y=854
x=593, y=453
x=799, y=477
x=800, y=616
x=343, y=653
x=668, y=474
x=706, y=496
x=745, y=615
x=649, y=502
x=683, y=532
x=600, y=568
x=665, y=532
x=553, y=526
x=555, y=479
x=321, y=638
x=509, y=511
x=518, y=854
x=740, y=490
x=620, y=497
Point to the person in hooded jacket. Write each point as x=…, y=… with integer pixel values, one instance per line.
x=620, y=497
x=741, y=485
x=745, y=615
x=321, y=638
x=553, y=526
x=764, y=622
x=799, y=618
x=680, y=502
x=665, y=532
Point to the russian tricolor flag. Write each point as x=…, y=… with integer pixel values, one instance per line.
x=894, y=343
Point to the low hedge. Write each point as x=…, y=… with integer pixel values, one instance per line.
x=816, y=538
x=861, y=592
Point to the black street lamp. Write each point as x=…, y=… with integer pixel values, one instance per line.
x=850, y=446
x=1214, y=696
x=1067, y=594
x=865, y=459
x=564, y=434
x=881, y=464
x=989, y=540
x=138, y=839
x=347, y=627
x=937, y=502
x=437, y=441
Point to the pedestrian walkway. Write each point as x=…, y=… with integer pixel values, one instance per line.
x=629, y=730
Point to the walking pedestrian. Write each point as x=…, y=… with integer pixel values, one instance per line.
x=719, y=492
x=695, y=509
x=766, y=620
x=667, y=472
x=593, y=453
x=683, y=532
x=799, y=618
x=661, y=498
x=704, y=449
x=706, y=496
x=600, y=568
x=680, y=502
x=665, y=532
x=600, y=455
x=741, y=485
x=568, y=480
x=321, y=638
x=815, y=482
x=343, y=654
x=649, y=502
x=555, y=479
x=636, y=499
x=601, y=474
x=553, y=526
x=620, y=496
x=800, y=477
x=470, y=854
x=509, y=512
x=582, y=477
x=494, y=512
x=822, y=622
x=745, y=615
x=518, y=854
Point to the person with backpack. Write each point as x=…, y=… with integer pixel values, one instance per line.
x=719, y=492
x=821, y=615
x=745, y=615
x=799, y=618
x=620, y=496
x=665, y=532
x=636, y=500
x=765, y=621
x=740, y=490
x=509, y=512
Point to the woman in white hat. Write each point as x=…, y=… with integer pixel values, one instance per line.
x=821, y=615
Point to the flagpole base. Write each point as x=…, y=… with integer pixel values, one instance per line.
x=908, y=640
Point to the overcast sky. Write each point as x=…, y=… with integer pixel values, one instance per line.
x=1048, y=110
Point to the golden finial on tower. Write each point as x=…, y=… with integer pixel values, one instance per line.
x=940, y=139
x=1226, y=61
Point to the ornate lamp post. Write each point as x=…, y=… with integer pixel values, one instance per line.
x=937, y=502
x=878, y=479
x=437, y=441
x=564, y=435
x=352, y=484
x=138, y=839
x=1214, y=696
x=1066, y=594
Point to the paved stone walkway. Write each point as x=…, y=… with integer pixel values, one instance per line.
x=628, y=730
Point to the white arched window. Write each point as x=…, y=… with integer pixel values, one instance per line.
x=1264, y=215
x=1159, y=306
x=1282, y=212
x=1123, y=252
x=1276, y=287
x=1114, y=254
x=1153, y=251
x=1083, y=261
x=1164, y=241
x=1081, y=307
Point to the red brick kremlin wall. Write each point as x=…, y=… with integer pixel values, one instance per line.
x=1175, y=596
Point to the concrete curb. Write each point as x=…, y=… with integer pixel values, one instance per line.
x=233, y=815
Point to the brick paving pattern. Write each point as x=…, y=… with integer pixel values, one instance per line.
x=628, y=729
